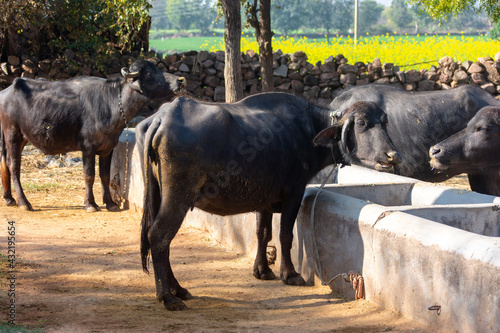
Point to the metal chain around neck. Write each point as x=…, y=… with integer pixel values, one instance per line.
x=120, y=106
x=122, y=112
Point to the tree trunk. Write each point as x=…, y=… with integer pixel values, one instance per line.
x=262, y=25
x=142, y=39
x=232, y=35
x=14, y=42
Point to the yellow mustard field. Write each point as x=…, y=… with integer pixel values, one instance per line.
x=408, y=52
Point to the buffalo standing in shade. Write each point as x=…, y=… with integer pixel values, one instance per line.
x=418, y=120
x=254, y=155
x=84, y=114
x=476, y=146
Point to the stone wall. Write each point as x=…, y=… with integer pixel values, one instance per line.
x=58, y=69
x=319, y=82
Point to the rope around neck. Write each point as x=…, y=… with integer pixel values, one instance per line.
x=354, y=278
x=316, y=251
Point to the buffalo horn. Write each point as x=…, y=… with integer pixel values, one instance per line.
x=127, y=74
x=343, y=137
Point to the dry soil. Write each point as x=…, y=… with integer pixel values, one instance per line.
x=81, y=272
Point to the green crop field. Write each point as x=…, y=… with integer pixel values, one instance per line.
x=172, y=45
x=404, y=50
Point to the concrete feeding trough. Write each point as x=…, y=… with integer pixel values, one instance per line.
x=427, y=251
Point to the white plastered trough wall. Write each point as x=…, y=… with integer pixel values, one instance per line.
x=416, y=244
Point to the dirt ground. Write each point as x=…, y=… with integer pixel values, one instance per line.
x=81, y=272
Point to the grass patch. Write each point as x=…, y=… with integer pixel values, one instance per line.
x=5, y=327
x=173, y=45
x=32, y=187
x=4, y=268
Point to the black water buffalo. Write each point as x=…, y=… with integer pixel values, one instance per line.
x=418, y=120
x=476, y=146
x=254, y=155
x=85, y=113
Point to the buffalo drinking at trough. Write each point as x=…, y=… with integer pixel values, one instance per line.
x=81, y=114
x=254, y=155
x=476, y=146
x=418, y=120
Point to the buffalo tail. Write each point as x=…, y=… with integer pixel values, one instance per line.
x=150, y=209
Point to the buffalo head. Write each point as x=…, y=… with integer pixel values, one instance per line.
x=476, y=146
x=363, y=137
x=144, y=77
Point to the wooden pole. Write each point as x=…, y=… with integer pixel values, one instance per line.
x=355, y=22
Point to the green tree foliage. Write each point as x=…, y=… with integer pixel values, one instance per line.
x=180, y=14
x=446, y=8
x=206, y=16
x=324, y=12
x=128, y=20
x=190, y=14
x=420, y=18
x=20, y=22
x=495, y=32
x=287, y=15
x=90, y=29
x=369, y=14
x=158, y=13
x=344, y=15
x=467, y=21
x=399, y=15
x=331, y=15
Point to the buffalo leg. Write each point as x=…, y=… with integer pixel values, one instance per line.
x=486, y=182
x=160, y=235
x=15, y=144
x=5, y=173
x=289, y=214
x=104, y=174
x=89, y=176
x=261, y=268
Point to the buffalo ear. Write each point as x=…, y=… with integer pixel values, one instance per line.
x=136, y=85
x=328, y=137
x=131, y=79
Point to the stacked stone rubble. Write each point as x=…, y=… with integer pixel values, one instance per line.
x=56, y=69
x=293, y=73
x=319, y=82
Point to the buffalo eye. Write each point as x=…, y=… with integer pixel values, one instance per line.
x=361, y=122
x=481, y=129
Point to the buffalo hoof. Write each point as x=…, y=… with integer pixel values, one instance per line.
x=26, y=207
x=182, y=293
x=91, y=209
x=10, y=202
x=294, y=280
x=266, y=274
x=175, y=305
x=112, y=208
